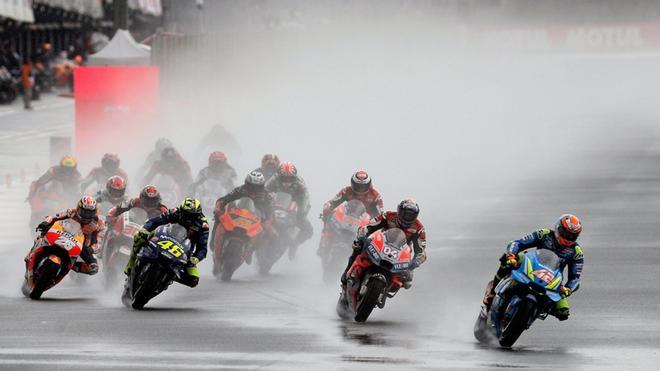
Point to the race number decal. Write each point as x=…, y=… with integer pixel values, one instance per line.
x=170, y=246
x=393, y=253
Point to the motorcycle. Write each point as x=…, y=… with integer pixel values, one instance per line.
x=242, y=228
x=160, y=262
x=528, y=293
x=341, y=228
x=52, y=256
x=376, y=274
x=284, y=226
x=118, y=243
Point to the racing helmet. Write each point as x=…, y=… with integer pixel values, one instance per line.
x=567, y=229
x=407, y=212
x=361, y=182
x=86, y=209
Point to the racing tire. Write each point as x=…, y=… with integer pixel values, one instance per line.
x=517, y=324
x=145, y=292
x=375, y=287
x=232, y=259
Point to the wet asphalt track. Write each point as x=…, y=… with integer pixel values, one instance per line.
x=287, y=321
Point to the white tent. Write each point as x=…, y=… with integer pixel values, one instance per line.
x=122, y=50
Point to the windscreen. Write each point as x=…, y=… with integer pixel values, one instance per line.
x=395, y=237
x=548, y=258
x=355, y=208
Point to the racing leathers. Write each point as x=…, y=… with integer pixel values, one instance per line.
x=106, y=201
x=68, y=177
x=125, y=206
x=571, y=256
x=99, y=176
x=415, y=234
x=226, y=176
x=178, y=169
x=300, y=195
x=90, y=231
x=198, y=233
x=372, y=201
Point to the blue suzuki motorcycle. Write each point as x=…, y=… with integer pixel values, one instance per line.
x=528, y=293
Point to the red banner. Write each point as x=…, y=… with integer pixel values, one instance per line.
x=116, y=108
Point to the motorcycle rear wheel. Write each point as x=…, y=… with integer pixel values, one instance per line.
x=232, y=259
x=375, y=288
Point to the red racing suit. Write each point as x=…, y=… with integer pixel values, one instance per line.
x=372, y=201
x=90, y=231
x=415, y=234
x=99, y=175
x=123, y=207
x=69, y=178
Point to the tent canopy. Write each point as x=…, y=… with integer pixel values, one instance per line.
x=122, y=50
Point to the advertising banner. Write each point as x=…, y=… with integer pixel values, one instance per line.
x=116, y=109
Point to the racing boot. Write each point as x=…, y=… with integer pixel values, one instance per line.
x=407, y=278
x=490, y=294
x=560, y=310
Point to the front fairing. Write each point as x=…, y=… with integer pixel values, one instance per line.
x=533, y=272
x=390, y=251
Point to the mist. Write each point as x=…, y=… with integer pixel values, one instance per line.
x=492, y=142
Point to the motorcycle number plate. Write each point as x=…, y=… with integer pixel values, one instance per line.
x=171, y=247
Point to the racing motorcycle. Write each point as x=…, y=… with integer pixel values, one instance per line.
x=160, y=262
x=242, y=228
x=53, y=255
x=341, y=228
x=118, y=243
x=528, y=293
x=285, y=229
x=376, y=274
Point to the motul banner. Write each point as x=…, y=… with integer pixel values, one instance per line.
x=116, y=109
x=624, y=37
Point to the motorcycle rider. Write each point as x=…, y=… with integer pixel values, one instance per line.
x=189, y=215
x=109, y=167
x=85, y=213
x=66, y=173
x=360, y=189
x=217, y=169
x=288, y=181
x=269, y=165
x=114, y=192
x=563, y=242
x=404, y=218
x=149, y=200
x=171, y=164
x=253, y=188
x=154, y=155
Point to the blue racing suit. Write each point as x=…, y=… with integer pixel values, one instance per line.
x=571, y=256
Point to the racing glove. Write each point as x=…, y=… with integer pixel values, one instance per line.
x=565, y=291
x=142, y=236
x=194, y=260
x=43, y=227
x=511, y=260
